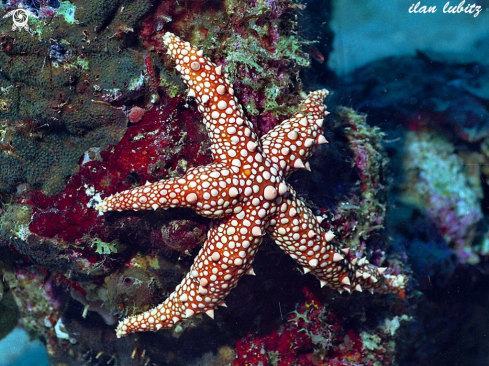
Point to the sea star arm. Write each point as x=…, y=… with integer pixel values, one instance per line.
x=227, y=254
x=298, y=232
x=211, y=191
x=290, y=144
x=230, y=132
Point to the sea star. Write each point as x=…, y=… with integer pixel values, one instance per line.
x=246, y=192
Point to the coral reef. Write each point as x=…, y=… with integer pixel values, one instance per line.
x=60, y=87
x=442, y=134
x=257, y=45
x=434, y=113
x=364, y=212
x=437, y=181
x=90, y=106
x=313, y=335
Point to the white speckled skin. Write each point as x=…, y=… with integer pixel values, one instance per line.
x=245, y=190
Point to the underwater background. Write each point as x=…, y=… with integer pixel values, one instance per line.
x=90, y=105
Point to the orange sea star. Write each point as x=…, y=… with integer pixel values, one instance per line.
x=246, y=192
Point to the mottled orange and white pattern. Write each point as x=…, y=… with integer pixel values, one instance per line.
x=246, y=192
